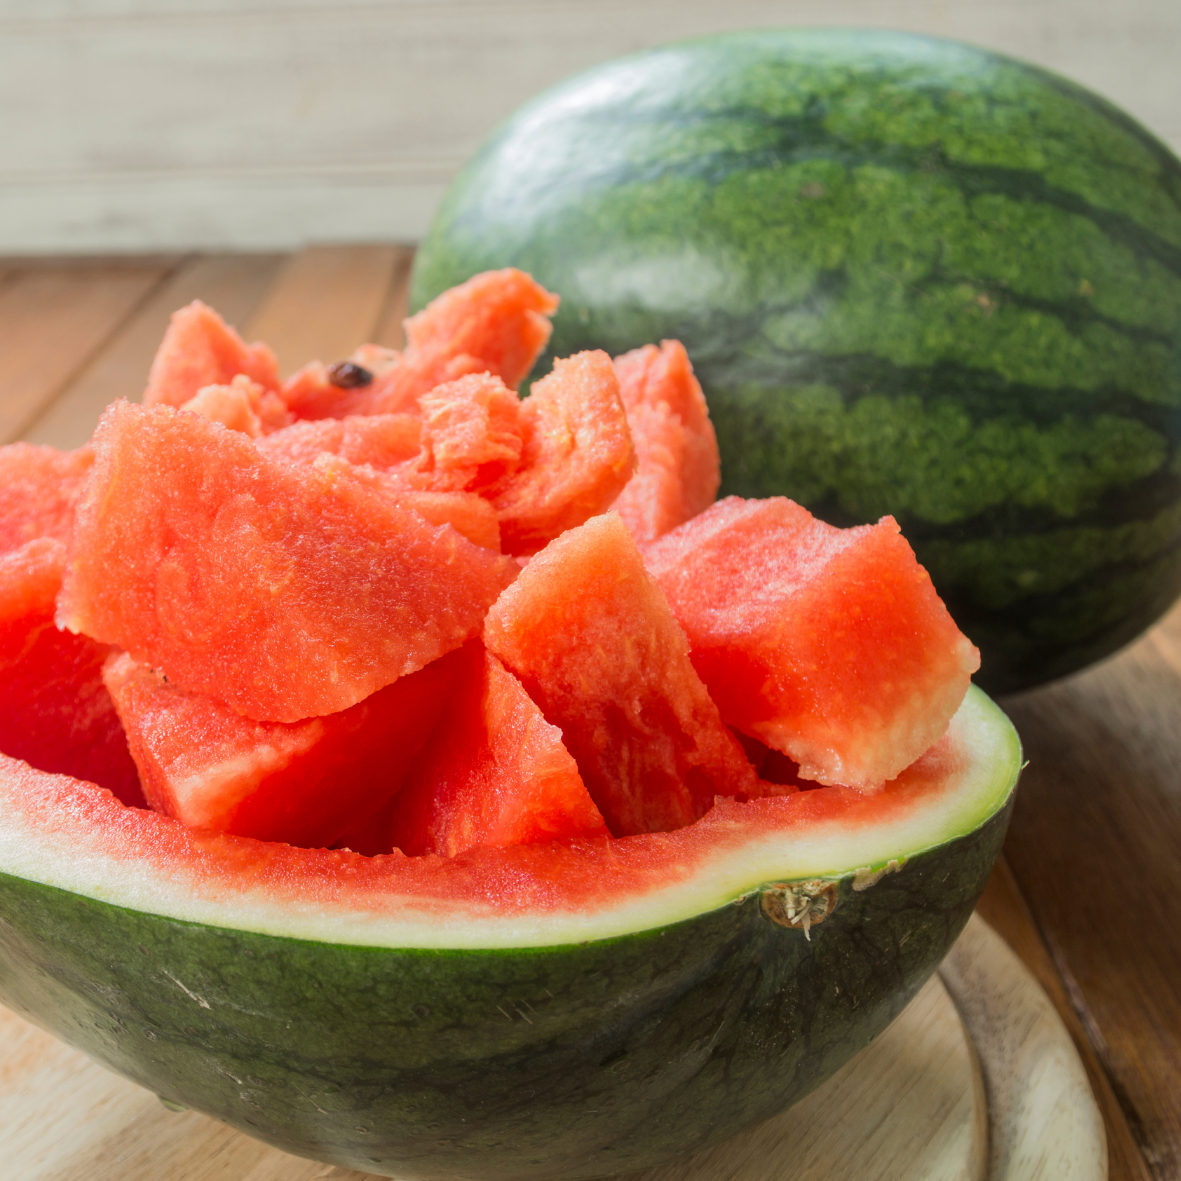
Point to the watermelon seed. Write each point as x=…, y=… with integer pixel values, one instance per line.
x=346, y=375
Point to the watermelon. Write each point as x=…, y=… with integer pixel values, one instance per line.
x=914, y=277
x=287, y=592
x=39, y=489
x=677, y=461
x=828, y=644
x=596, y=646
x=54, y=710
x=555, y=1009
x=576, y=455
x=201, y=349
x=243, y=405
x=495, y=773
x=302, y=783
x=378, y=440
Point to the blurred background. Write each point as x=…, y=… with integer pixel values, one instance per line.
x=140, y=125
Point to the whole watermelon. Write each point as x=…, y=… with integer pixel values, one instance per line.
x=914, y=277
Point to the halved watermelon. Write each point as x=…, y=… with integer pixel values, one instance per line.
x=593, y=641
x=562, y=1009
x=285, y=591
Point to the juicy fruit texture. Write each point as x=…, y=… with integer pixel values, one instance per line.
x=677, y=464
x=577, y=455
x=201, y=349
x=286, y=592
x=381, y=441
x=243, y=405
x=915, y=278
x=496, y=773
x=302, y=783
x=830, y=645
x=494, y=323
x=595, y=645
x=39, y=487
x=54, y=711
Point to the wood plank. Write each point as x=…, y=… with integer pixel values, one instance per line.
x=1003, y=908
x=52, y=321
x=325, y=302
x=389, y=331
x=232, y=283
x=1094, y=849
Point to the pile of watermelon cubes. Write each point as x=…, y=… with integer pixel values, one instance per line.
x=390, y=605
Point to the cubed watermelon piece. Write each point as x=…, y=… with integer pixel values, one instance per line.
x=39, y=488
x=677, y=465
x=54, y=711
x=243, y=405
x=495, y=773
x=285, y=591
x=381, y=441
x=828, y=644
x=302, y=783
x=199, y=349
x=595, y=645
x=577, y=454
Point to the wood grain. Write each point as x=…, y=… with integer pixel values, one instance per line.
x=231, y=283
x=325, y=302
x=1043, y=1120
x=1094, y=848
x=1003, y=907
x=909, y=1108
x=52, y=321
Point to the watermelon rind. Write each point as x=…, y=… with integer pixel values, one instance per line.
x=914, y=277
x=477, y=1053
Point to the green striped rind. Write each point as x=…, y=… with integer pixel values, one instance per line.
x=570, y=1060
x=914, y=277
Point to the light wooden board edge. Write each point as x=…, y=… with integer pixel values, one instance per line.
x=1044, y=1122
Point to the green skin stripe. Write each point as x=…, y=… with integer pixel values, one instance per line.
x=571, y=1060
x=914, y=278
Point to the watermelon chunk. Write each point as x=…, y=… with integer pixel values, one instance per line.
x=54, y=711
x=677, y=466
x=199, y=349
x=828, y=644
x=39, y=488
x=243, y=405
x=577, y=454
x=302, y=783
x=596, y=646
x=495, y=773
x=285, y=591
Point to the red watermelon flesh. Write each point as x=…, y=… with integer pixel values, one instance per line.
x=243, y=405
x=471, y=434
x=199, y=349
x=828, y=644
x=54, y=712
x=577, y=454
x=39, y=488
x=468, y=514
x=495, y=773
x=303, y=783
x=596, y=646
x=677, y=465
x=381, y=441
x=285, y=591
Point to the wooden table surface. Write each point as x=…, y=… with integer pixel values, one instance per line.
x=1089, y=891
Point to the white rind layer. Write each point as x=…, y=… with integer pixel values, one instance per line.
x=71, y=856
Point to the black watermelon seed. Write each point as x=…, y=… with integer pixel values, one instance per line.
x=348, y=376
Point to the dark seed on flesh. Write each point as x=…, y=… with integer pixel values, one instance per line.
x=348, y=376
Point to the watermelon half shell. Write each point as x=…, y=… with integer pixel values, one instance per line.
x=571, y=1009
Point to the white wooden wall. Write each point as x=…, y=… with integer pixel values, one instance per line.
x=173, y=124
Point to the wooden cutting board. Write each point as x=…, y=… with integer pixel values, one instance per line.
x=976, y=1081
